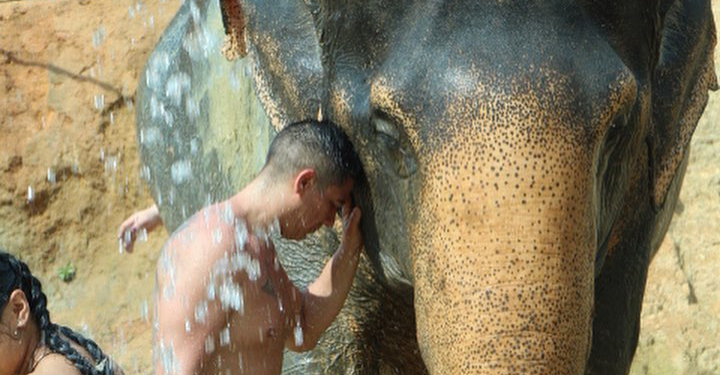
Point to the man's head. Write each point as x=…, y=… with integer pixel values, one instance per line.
x=319, y=161
x=310, y=144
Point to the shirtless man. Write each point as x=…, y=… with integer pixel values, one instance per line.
x=224, y=303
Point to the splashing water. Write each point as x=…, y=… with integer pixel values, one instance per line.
x=181, y=171
x=167, y=355
x=99, y=101
x=231, y=296
x=143, y=235
x=144, y=311
x=298, y=335
x=30, y=194
x=150, y=136
x=98, y=37
x=192, y=108
x=241, y=234
x=51, y=176
x=209, y=344
x=217, y=235
x=225, y=336
x=167, y=267
x=227, y=214
x=201, y=311
x=176, y=86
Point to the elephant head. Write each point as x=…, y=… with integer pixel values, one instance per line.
x=522, y=158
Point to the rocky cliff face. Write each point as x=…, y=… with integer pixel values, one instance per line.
x=69, y=174
x=69, y=163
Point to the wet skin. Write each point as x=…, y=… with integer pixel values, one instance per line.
x=225, y=303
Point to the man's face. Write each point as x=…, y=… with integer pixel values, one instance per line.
x=319, y=207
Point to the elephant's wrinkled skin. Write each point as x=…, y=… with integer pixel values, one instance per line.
x=523, y=160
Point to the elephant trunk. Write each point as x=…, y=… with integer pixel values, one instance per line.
x=503, y=258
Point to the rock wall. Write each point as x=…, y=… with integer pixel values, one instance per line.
x=69, y=162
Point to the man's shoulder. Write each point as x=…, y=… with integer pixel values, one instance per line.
x=204, y=237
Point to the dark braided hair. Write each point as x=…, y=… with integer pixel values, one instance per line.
x=14, y=274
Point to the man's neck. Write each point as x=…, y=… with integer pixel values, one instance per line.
x=259, y=203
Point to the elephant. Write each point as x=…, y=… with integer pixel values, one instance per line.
x=522, y=162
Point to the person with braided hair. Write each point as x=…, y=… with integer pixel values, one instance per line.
x=30, y=343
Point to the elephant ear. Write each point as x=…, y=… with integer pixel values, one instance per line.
x=683, y=75
x=233, y=19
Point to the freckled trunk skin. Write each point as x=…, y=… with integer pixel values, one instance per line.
x=503, y=257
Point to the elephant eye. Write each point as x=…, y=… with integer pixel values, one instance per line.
x=387, y=132
x=398, y=149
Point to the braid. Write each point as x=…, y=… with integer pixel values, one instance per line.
x=51, y=333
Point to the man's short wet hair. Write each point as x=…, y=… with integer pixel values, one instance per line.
x=322, y=146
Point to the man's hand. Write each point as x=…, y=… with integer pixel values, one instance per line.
x=352, y=237
x=147, y=219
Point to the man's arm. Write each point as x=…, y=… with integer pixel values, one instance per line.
x=147, y=219
x=185, y=316
x=324, y=298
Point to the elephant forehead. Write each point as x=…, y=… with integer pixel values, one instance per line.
x=537, y=105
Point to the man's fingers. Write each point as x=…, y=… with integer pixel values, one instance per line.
x=355, y=216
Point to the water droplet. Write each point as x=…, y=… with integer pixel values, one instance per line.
x=145, y=172
x=225, y=336
x=150, y=136
x=51, y=176
x=217, y=235
x=201, y=311
x=298, y=333
x=209, y=344
x=211, y=291
x=181, y=171
x=167, y=355
x=241, y=234
x=192, y=108
x=176, y=86
x=98, y=37
x=99, y=102
x=144, y=314
x=231, y=296
x=30, y=194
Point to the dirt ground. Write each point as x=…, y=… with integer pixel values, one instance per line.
x=69, y=174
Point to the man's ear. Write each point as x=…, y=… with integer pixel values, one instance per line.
x=303, y=180
x=20, y=307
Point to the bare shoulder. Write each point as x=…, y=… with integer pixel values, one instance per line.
x=201, y=240
x=55, y=364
